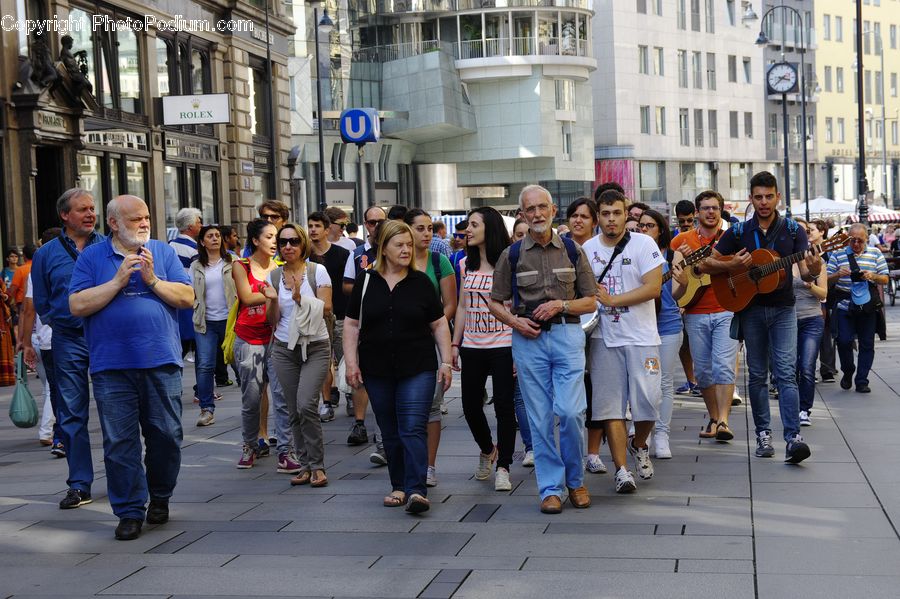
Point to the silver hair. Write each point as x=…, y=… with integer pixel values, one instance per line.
x=64, y=203
x=534, y=187
x=186, y=217
x=113, y=209
x=858, y=227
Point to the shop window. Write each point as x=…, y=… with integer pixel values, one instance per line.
x=184, y=67
x=260, y=104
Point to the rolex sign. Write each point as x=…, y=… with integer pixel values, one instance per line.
x=200, y=109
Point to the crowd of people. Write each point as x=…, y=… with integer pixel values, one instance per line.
x=581, y=329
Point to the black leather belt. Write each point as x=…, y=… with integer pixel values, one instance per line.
x=560, y=319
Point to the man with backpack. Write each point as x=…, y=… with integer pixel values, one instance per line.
x=550, y=283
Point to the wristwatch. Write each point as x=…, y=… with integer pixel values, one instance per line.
x=565, y=308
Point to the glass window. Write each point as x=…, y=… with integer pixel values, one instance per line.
x=829, y=129
x=259, y=104
x=827, y=78
x=660, y=120
x=682, y=69
x=565, y=94
x=747, y=71
x=710, y=70
x=733, y=124
x=710, y=16
x=697, y=62
x=695, y=15
x=838, y=29
x=732, y=17
x=698, y=127
x=129, y=71
x=748, y=125
x=162, y=66
x=658, y=62
x=89, y=179
x=642, y=6
x=135, y=180
x=893, y=85
x=172, y=192
x=643, y=60
x=114, y=165
x=839, y=79
x=732, y=69
x=83, y=44
x=684, y=126
x=840, y=130
x=198, y=73
x=645, y=120
x=682, y=14
x=826, y=27
x=652, y=182
x=208, y=196
x=712, y=117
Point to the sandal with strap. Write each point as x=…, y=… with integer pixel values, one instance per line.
x=395, y=499
x=301, y=479
x=417, y=504
x=723, y=433
x=319, y=479
x=710, y=431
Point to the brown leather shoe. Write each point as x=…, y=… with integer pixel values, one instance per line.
x=579, y=497
x=552, y=504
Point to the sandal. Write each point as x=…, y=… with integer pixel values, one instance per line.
x=395, y=499
x=417, y=504
x=723, y=433
x=319, y=480
x=301, y=479
x=710, y=431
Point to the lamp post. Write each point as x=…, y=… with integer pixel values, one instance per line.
x=763, y=40
x=325, y=25
x=863, y=184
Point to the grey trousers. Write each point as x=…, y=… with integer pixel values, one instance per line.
x=301, y=383
x=254, y=364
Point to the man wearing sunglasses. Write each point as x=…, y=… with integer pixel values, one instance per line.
x=856, y=273
x=338, y=220
x=275, y=212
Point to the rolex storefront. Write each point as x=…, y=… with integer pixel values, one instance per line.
x=170, y=109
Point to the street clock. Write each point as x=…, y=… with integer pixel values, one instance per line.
x=781, y=78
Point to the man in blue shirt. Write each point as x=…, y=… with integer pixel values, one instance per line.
x=769, y=323
x=127, y=289
x=50, y=274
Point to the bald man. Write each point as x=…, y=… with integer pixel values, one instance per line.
x=127, y=289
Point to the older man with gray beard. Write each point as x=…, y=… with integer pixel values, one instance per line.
x=127, y=289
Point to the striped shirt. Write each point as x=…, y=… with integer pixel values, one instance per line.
x=482, y=329
x=871, y=259
x=186, y=249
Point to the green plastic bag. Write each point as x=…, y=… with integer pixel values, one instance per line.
x=23, y=410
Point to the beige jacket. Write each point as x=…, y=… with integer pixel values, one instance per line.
x=198, y=281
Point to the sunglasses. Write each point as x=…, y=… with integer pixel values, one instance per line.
x=459, y=235
x=341, y=225
x=374, y=222
x=855, y=240
x=271, y=216
x=294, y=241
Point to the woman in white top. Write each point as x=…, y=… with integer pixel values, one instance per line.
x=214, y=294
x=298, y=300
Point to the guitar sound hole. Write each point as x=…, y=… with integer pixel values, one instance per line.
x=754, y=274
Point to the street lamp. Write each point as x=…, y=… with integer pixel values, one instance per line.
x=879, y=47
x=763, y=40
x=325, y=25
x=863, y=183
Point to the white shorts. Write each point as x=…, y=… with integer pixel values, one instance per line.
x=625, y=375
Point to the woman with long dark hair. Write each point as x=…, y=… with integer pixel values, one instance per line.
x=214, y=293
x=484, y=345
x=669, y=326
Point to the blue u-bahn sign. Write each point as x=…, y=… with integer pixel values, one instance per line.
x=360, y=126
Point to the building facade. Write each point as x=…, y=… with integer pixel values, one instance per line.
x=678, y=100
x=478, y=99
x=837, y=140
x=82, y=106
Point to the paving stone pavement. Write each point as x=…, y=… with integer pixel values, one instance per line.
x=714, y=520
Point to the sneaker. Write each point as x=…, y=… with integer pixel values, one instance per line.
x=773, y=391
x=661, y=449
x=847, y=381
x=247, y=457
x=358, y=434
x=225, y=383
x=624, y=481
x=804, y=418
x=501, y=480
x=378, y=457
x=262, y=450
x=528, y=460
x=642, y=462
x=75, y=498
x=764, y=447
x=430, y=477
x=206, y=418
x=736, y=399
x=444, y=409
x=685, y=389
x=326, y=412
x=335, y=397
x=696, y=391
x=595, y=464
x=349, y=405
x=189, y=357
x=485, y=461
x=287, y=463
x=796, y=450
x=827, y=378
x=58, y=450
x=217, y=396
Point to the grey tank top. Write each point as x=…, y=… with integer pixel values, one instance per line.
x=807, y=304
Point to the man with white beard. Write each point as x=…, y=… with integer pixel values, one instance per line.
x=127, y=289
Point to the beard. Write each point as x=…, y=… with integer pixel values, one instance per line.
x=540, y=229
x=133, y=240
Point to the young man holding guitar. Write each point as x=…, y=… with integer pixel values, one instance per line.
x=769, y=322
x=707, y=323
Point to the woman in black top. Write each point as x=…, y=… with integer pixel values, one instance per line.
x=394, y=319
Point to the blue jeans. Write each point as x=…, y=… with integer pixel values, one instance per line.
x=521, y=415
x=50, y=373
x=70, y=367
x=208, y=344
x=401, y=408
x=551, y=376
x=862, y=326
x=809, y=337
x=130, y=403
x=712, y=349
x=770, y=334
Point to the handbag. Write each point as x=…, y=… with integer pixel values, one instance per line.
x=23, y=410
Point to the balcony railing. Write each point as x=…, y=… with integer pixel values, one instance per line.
x=390, y=52
x=521, y=46
x=363, y=8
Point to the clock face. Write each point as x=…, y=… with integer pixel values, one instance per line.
x=782, y=77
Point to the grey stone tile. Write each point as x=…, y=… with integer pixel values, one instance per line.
x=439, y=590
x=599, y=529
x=9, y=560
x=824, y=586
x=44, y=538
x=451, y=575
x=850, y=495
x=181, y=560
x=64, y=581
x=405, y=524
x=599, y=564
x=312, y=562
x=781, y=520
x=870, y=557
x=437, y=562
x=715, y=566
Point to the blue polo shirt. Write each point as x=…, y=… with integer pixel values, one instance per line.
x=51, y=271
x=779, y=239
x=136, y=329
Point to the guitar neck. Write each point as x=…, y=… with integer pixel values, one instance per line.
x=781, y=263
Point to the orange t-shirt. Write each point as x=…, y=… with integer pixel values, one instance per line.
x=20, y=280
x=707, y=304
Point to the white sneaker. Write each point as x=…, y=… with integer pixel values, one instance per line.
x=624, y=481
x=661, y=448
x=528, y=460
x=444, y=409
x=501, y=480
x=485, y=463
x=595, y=464
x=430, y=478
x=642, y=462
x=804, y=418
x=189, y=357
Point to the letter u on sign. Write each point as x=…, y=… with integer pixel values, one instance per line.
x=360, y=125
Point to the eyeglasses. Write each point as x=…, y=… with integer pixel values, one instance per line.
x=372, y=222
x=643, y=226
x=857, y=240
x=459, y=236
x=270, y=216
x=283, y=241
x=686, y=221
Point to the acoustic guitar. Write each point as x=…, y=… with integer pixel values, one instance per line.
x=767, y=272
x=697, y=283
